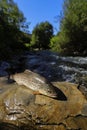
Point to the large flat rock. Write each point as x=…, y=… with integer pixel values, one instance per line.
x=20, y=107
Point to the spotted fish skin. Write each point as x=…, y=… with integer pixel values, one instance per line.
x=35, y=82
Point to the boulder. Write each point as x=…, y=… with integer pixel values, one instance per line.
x=21, y=109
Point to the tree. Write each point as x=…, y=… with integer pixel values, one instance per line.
x=12, y=21
x=54, y=43
x=10, y=13
x=41, y=35
x=73, y=27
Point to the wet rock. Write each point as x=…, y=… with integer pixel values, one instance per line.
x=82, y=85
x=3, y=66
x=20, y=108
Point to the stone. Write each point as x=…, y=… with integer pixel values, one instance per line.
x=20, y=108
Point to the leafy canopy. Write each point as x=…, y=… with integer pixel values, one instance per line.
x=12, y=21
x=41, y=35
x=73, y=27
x=11, y=14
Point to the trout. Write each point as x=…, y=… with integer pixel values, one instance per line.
x=35, y=82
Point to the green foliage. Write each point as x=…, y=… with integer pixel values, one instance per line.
x=11, y=23
x=73, y=28
x=10, y=13
x=41, y=35
x=57, y=43
x=54, y=43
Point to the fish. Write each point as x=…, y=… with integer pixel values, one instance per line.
x=35, y=82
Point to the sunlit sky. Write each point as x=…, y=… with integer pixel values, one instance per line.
x=37, y=11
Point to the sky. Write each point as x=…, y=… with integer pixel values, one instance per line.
x=37, y=11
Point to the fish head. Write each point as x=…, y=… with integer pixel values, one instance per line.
x=49, y=91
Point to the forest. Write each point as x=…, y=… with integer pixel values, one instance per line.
x=70, y=40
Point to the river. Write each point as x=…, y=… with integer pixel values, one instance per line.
x=50, y=65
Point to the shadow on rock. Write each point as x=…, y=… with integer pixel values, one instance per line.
x=7, y=126
x=60, y=95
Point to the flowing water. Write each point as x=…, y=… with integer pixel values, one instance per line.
x=51, y=65
x=58, y=68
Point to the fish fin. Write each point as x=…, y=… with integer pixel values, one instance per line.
x=36, y=93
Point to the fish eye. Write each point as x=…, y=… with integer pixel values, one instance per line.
x=49, y=91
